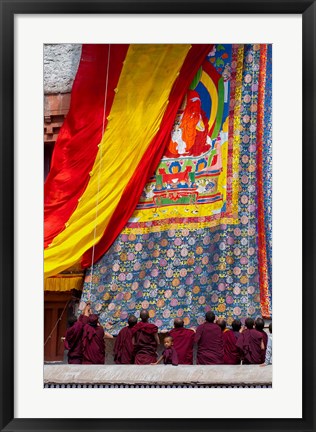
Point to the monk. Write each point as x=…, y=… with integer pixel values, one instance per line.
x=259, y=325
x=123, y=347
x=169, y=354
x=145, y=340
x=73, y=337
x=231, y=352
x=209, y=341
x=93, y=344
x=236, y=326
x=183, y=341
x=251, y=344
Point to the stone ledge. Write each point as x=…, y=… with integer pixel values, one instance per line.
x=160, y=374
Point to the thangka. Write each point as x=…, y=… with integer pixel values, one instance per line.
x=200, y=236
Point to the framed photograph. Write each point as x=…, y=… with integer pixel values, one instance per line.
x=256, y=73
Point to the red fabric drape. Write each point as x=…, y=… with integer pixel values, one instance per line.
x=77, y=144
x=152, y=156
x=262, y=245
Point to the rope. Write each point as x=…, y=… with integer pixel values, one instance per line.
x=100, y=166
x=59, y=319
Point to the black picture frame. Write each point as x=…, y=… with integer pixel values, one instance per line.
x=11, y=7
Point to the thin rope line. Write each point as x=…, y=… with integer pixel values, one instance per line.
x=100, y=166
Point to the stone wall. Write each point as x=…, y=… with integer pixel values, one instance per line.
x=160, y=375
x=60, y=66
x=61, y=63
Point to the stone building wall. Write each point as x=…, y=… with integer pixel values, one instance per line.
x=60, y=66
x=61, y=63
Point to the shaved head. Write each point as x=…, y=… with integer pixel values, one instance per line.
x=236, y=325
x=132, y=320
x=249, y=323
x=210, y=316
x=259, y=324
x=168, y=341
x=178, y=322
x=222, y=323
x=144, y=315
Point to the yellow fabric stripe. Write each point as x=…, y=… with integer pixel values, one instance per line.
x=63, y=283
x=237, y=129
x=142, y=96
x=211, y=87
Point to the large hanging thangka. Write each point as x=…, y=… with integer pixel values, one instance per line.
x=200, y=235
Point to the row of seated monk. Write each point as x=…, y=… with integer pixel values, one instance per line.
x=137, y=343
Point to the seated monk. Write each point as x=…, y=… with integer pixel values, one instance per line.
x=251, y=344
x=169, y=354
x=73, y=337
x=231, y=352
x=93, y=345
x=209, y=341
x=236, y=327
x=123, y=347
x=145, y=340
x=259, y=325
x=183, y=341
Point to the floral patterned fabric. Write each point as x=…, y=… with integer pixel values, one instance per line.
x=192, y=243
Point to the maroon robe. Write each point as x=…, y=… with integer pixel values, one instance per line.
x=145, y=344
x=183, y=341
x=93, y=345
x=209, y=341
x=231, y=352
x=265, y=341
x=123, y=347
x=170, y=356
x=250, y=346
x=73, y=340
x=237, y=334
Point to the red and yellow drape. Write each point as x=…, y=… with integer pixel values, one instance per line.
x=124, y=101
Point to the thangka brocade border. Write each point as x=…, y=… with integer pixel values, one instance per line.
x=262, y=249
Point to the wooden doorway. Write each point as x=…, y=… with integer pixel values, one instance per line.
x=58, y=306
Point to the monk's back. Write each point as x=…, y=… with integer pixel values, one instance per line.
x=250, y=345
x=231, y=352
x=123, y=348
x=183, y=340
x=94, y=346
x=255, y=339
x=145, y=344
x=73, y=340
x=210, y=344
